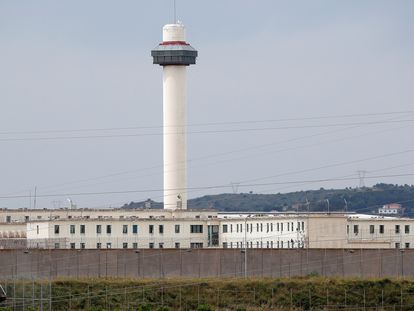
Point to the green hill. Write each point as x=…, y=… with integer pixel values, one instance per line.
x=364, y=200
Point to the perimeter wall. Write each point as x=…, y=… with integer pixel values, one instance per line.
x=167, y=263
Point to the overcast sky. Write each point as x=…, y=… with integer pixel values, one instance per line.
x=68, y=68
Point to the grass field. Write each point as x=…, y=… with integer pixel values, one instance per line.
x=308, y=293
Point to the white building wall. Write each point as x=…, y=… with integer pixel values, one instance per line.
x=163, y=234
x=391, y=232
x=263, y=232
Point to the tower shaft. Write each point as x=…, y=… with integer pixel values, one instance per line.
x=175, y=141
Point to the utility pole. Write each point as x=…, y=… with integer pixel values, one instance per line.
x=35, y=194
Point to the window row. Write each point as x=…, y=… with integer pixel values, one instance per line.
x=125, y=228
x=127, y=245
x=381, y=229
x=268, y=244
x=267, y=227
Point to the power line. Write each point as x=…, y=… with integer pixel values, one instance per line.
x=208, y=124
x=204, y=187
x=231, y=152
x=331, y=125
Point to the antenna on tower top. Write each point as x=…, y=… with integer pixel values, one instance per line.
x=175, y=12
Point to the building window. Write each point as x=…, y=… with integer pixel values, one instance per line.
x=356, y=229
x=407, y=245
x=37, y=229
x=397, y=229
x=124, y=245
x=98, y=245
x=151, y=245
x=281, y=226
x=134, y=229
x=124, y=229
x=161, y=245
x=397, y=245
x=267, y=227
x=177, y=228
x=224, y=244
x=277, y=227
x=82, y=229
x=381, y=229
x=57, y=245
x=99, y=229
x=108, y=245
x=288, y=226
x=82, y=245
x=108, y=229
x=177, y=245
x=407, y=229
x=347, y=229
x=196, y=228
x=57, y=229
x=196, y=245
x=26, y=218
x=72, y=245
x=161, y=229
x=371, y=229
x=8, y=218
x=261, y=227
x=135, y=245
x=151, y=229
x=72, y=229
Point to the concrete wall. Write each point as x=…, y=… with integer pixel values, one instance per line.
x=160, y=263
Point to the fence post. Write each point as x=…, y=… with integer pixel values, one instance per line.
x=364, y=299
x=89, y=298
x=310, y=299
x=345, y=300
x=33, y=294
x=327, y=296
x=24, y=285
x=218, y=298
x=41, y=297
x=180, y=297
x=198, y=294
x=50, y=295
x=14, y=294
x=70, y=299
x=106, y=297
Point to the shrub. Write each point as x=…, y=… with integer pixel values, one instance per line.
x=205, y=307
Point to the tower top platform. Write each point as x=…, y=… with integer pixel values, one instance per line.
x=174, y=50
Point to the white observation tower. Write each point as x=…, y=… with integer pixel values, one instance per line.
x=174, y=54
